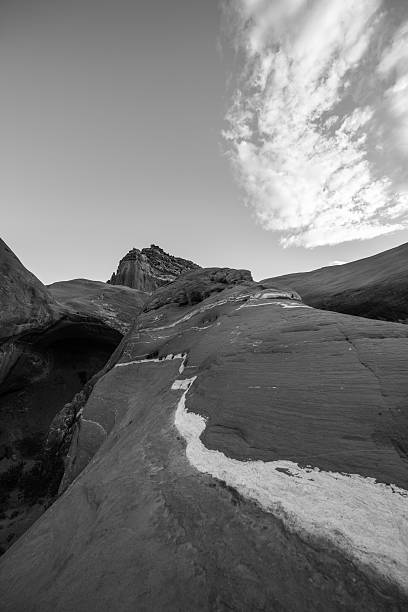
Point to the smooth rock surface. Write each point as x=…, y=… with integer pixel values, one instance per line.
x=116, y=306
x=374, y=287
x=146, y=526
x=25, y=303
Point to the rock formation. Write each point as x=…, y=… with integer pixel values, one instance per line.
x=149, y=269
x=53, y=341
x=374, y=287
x=115, y=306
x=240, y=450
x=25, y=302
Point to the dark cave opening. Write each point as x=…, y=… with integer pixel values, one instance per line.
x=53, y=366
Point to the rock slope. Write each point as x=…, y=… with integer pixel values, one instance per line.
x=25, y=302
x=115, y=306
x=241, y=451
x=374, y=287
x=53, y=341
x=149, y=269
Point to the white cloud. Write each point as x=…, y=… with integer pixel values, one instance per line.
x=337, y=262
x=304, y=165
x=395, y=60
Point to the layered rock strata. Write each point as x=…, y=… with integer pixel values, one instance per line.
x=149, y=269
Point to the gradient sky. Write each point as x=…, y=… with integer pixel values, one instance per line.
x=111, y=122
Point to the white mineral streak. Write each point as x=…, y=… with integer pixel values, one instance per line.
x=272, y=303
x=169, y=357
x=238, y=298
x=273, y=297
x=293, y=305
x=366, y=519
x=191, y=314
x=269, y=295
x=137, y=361
x=256, y=304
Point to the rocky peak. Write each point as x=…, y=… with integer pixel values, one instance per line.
x=149, y=268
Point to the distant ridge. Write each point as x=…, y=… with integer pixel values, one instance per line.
x=375, y=287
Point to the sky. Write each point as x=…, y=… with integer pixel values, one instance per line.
x=270, y=135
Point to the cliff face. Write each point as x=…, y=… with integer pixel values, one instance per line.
x=149, y=269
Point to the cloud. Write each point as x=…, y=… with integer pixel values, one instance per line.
x=299, y=144
x=337, y=262
x=394, y=63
